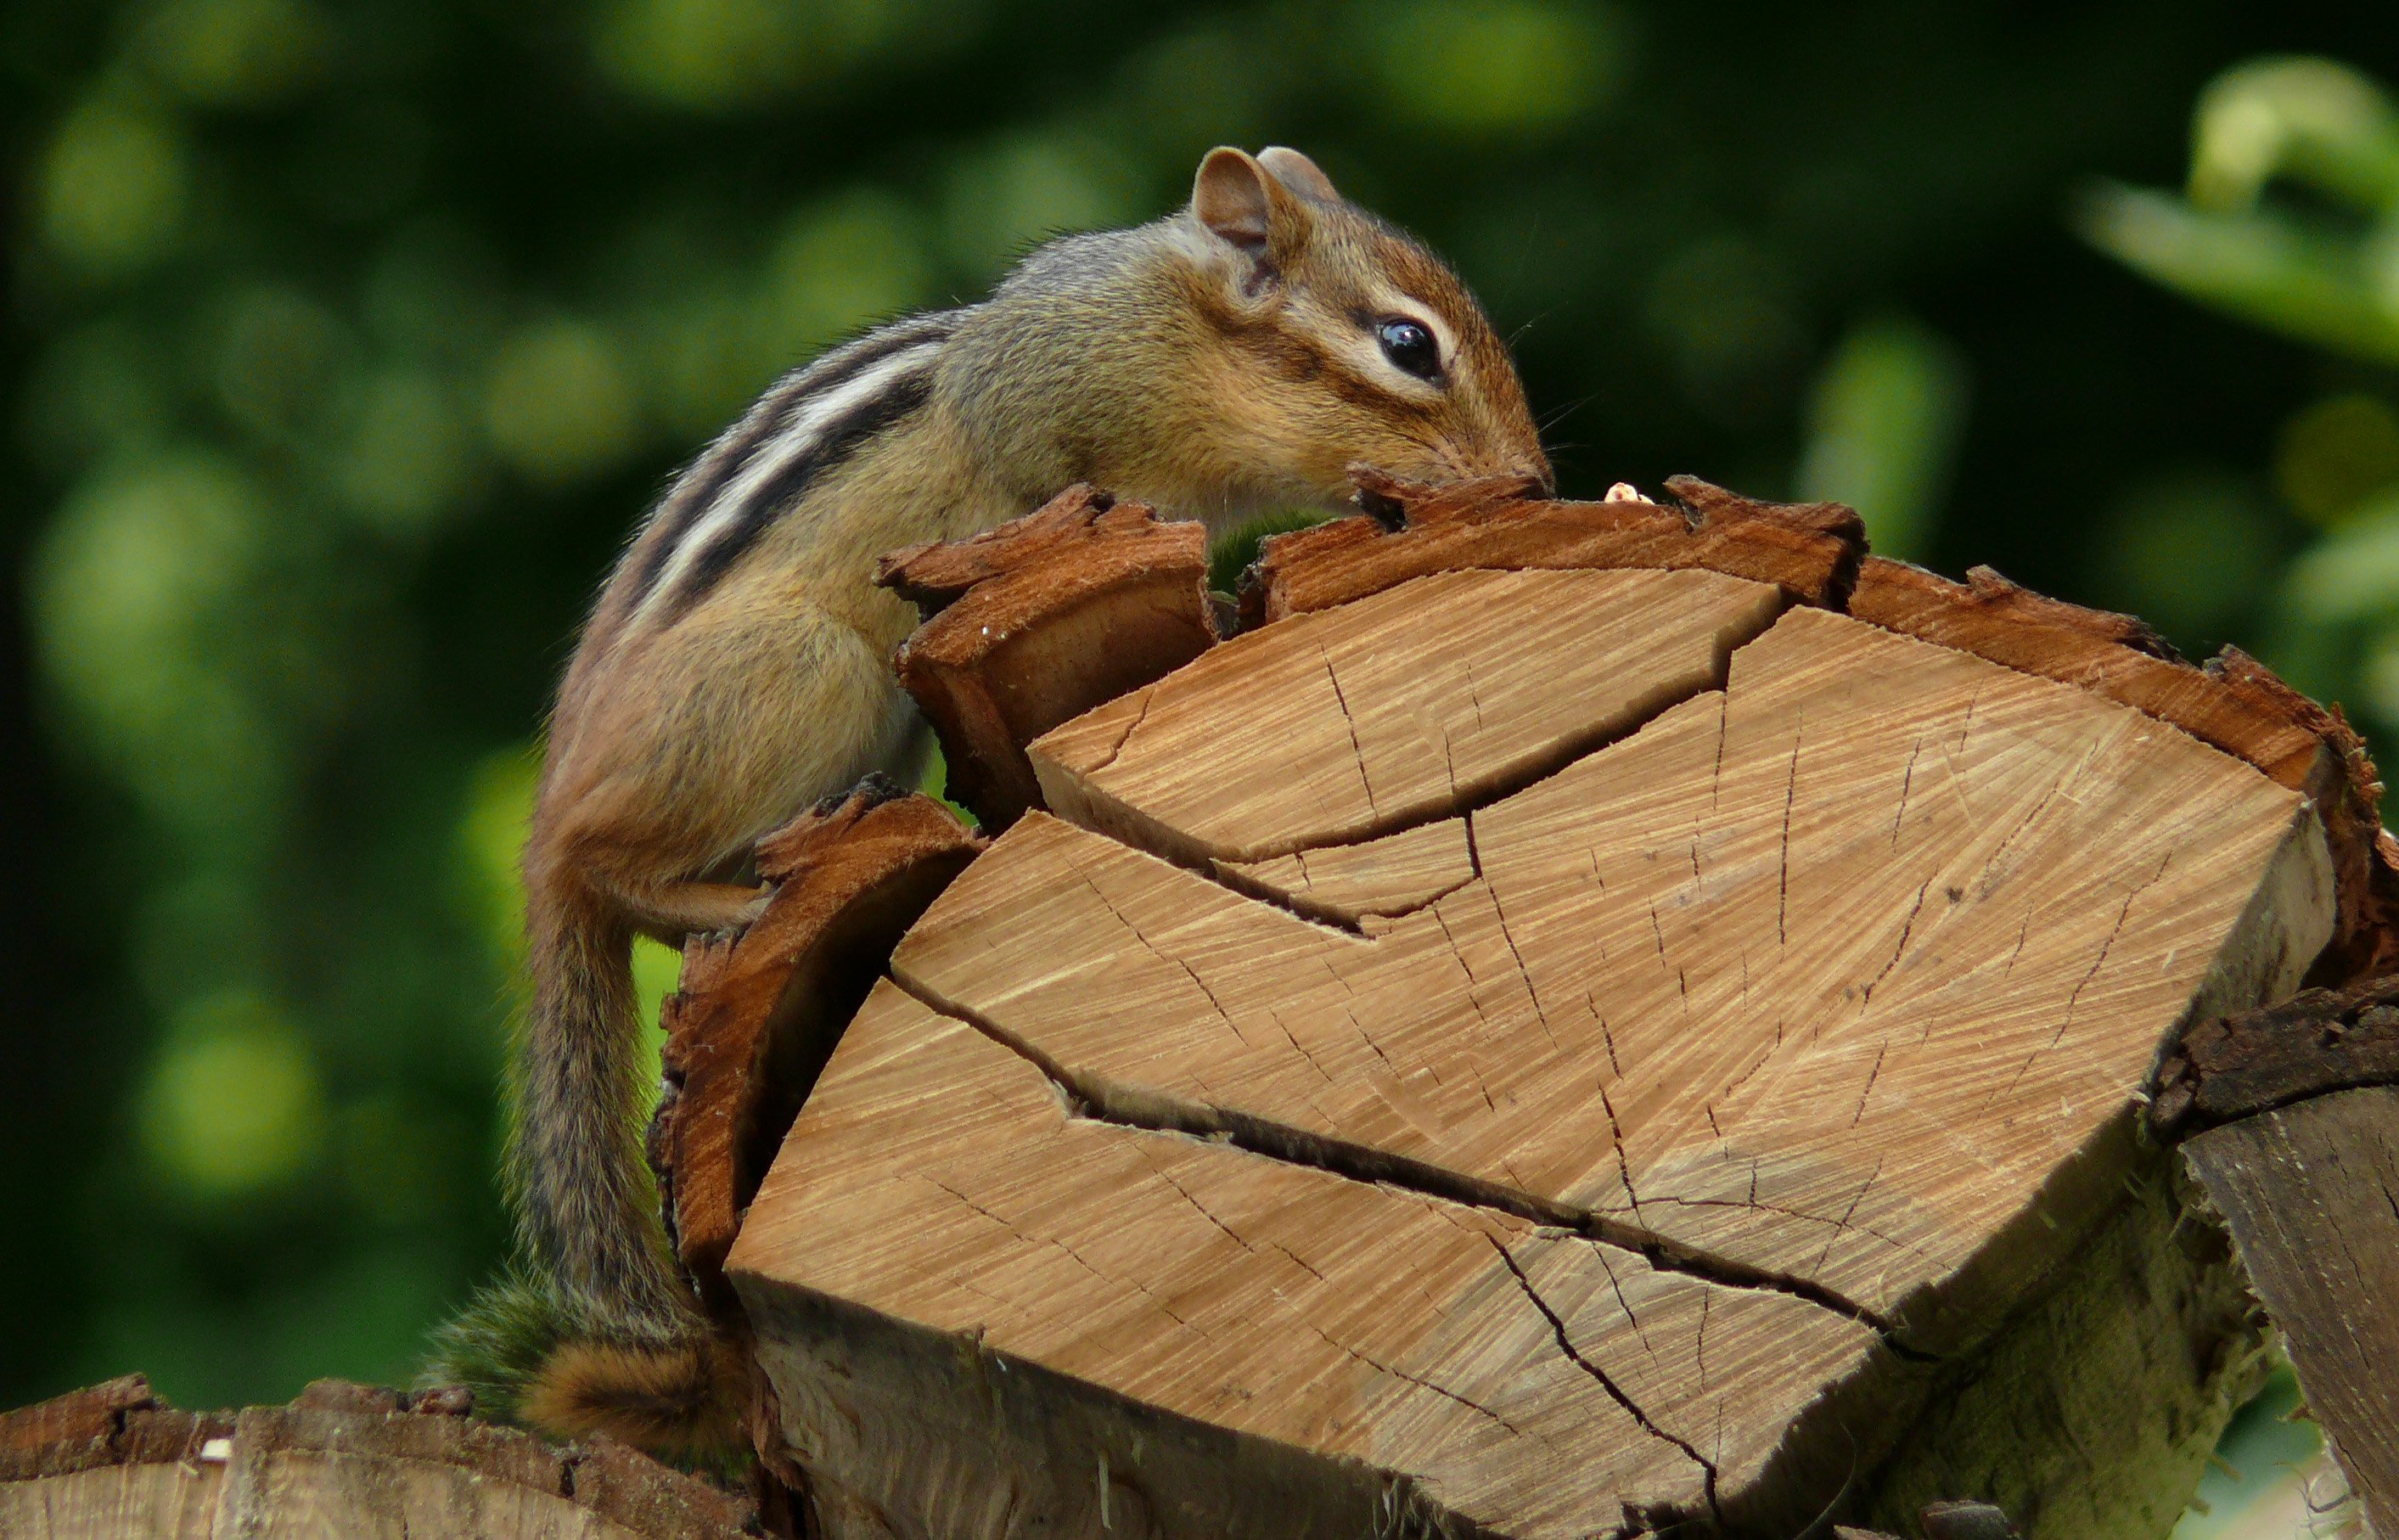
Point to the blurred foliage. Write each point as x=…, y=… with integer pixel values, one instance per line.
x=2290, y=221
x=346, y=339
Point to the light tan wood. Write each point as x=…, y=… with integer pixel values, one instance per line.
x=1400, y=708
x=941, y=1179
x=158, y=1501
x=1826, y=973
x=1372, y=879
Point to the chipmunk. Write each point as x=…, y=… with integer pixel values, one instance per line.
x=1235, y=356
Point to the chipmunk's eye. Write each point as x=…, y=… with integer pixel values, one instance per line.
x=1410, y=347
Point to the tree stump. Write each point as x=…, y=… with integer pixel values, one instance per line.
x=1579, y=1019
x=112, y=1462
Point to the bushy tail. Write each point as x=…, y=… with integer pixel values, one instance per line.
x=593, y=1330
x=533, y=1356
x=587, y=1206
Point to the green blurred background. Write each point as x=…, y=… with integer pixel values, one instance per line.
x=344, y=341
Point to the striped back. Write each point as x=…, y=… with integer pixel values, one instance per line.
x=807, y=422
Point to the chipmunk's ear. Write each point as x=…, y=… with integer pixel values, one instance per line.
x=1245, y=206
x=1299, y=173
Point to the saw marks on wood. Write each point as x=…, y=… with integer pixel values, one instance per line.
x=1400, y=707
x=1538, y=1381
x=1818, y=974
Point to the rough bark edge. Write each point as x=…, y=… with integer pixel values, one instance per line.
x=756, y=1015
x=1084, y=556
x=1811, y=550
x=2225, y=1068
x=916, y=1420
x=122, y=1422
x=2233, y=703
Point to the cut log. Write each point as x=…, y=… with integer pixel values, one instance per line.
x=1529, y=1377
x=2292, y=1114
x=1532, y=871
x=112, y=1462
x=1584, y=1018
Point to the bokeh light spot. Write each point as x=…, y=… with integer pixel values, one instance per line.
x=407, y=458
x=1494, y=66
x=2352, y=574
x=1883, y=421
x=234, y=52
x=1025, y=189
x=232, y=1104
x=559, y=407
x=2334, y=452
x=113, y=187
x=857, y=258
x=275, y=354
x=491, y=840
x=715, y=54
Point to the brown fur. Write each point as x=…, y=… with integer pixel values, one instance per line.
x=1217, y=362
x=685, y=1402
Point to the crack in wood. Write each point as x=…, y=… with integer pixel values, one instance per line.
x=1102, y=1101
x=1632, y=1409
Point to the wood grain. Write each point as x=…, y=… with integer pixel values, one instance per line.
x=1581, y=877
x=2234, y=704
x=1403, y=706
x=1372, y=879
x=1538, y=1382
x=1826, y=973
x=341, y=1460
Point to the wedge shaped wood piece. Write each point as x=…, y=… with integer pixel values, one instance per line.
x=1034, y=622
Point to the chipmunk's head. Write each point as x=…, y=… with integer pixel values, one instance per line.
x=1336, y=338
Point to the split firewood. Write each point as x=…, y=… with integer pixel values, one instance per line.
x=1582, y=1019
x=755, y=1016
